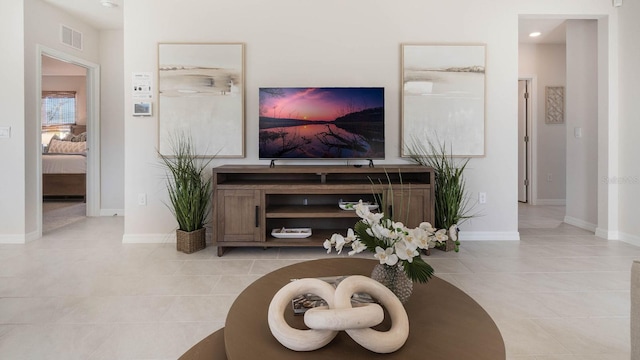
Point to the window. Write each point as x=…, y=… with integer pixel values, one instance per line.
x=58, y=108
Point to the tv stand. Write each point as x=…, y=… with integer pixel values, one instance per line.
x=249, y=202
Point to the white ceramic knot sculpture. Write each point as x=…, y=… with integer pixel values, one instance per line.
x=325, y=322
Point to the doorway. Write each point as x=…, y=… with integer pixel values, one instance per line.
x=91, y=136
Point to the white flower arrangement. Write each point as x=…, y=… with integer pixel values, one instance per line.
x=391, y=242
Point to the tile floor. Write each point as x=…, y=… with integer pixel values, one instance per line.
x=79, y=293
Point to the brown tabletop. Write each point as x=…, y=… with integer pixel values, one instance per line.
x=444, y=322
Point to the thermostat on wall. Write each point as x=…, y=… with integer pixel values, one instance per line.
x=142, y=109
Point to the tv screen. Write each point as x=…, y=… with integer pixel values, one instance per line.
x=321, y=123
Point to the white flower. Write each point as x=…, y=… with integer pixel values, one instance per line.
x=414, y=236
x=453, y=232
x=339, y=241
x=441, y=235
x=420, y=237
x=386, y=256
x=351, y=236
x=427, y=227
x=380, y=232
x=367, y=216
x=357, y=247
x=327, y=245
x=405, y=251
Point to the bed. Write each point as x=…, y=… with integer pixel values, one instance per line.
x=64, y=168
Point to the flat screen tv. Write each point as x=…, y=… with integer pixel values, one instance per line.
x=321, y=123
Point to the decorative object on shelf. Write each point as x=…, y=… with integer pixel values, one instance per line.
x=299, y=233
x=394, y=244
x=452, y=206
x=189, y=192
x=443, y=91
x=325, y=322
x=201, y=88
x=350, y=205
x=554, y=104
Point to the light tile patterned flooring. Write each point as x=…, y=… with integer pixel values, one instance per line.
x=79, y=293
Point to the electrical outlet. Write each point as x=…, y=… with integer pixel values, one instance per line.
x=482, y=198
x=549, y=178
x=142, y=199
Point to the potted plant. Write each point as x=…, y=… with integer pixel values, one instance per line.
x=189, y=192
x=451, y=202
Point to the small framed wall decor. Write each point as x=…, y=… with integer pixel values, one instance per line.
x=554, y=105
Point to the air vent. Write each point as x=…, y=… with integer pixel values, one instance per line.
x=71, y=37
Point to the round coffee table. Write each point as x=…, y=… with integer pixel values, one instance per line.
x=444, y=322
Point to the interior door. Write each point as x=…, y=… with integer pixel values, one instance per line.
x=523, y=140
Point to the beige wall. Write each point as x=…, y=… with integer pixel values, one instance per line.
x=628, y=177
x=582, y=115
x=112, y=122
x=12, y=178
x=546, y=63
x=341, y=44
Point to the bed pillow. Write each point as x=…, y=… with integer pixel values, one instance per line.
x=79, y=137
x=67, y=147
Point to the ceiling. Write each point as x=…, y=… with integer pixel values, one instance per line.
x=91, y=11
x=553, y=31
x=104, y=18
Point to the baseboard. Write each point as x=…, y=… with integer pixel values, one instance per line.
x=606, y=234
x=111, y=212
x=580, y=223
x=629, y=239
x=149, y=238
x=551, y=202
x=13, y=239
x=34, y=235
x=154, y=238
x=488, y=235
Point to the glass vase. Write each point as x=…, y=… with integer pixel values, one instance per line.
x=395, y=279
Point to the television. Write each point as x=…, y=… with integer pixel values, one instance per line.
x=321, y=123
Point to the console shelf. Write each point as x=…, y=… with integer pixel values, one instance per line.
x=250, y=201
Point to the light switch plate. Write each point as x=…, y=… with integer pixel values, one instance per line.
x=5, y=132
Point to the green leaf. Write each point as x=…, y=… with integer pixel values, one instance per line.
x=418, y=270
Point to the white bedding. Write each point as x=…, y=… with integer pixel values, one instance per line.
x=64, y=164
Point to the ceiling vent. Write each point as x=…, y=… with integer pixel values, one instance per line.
x=71, y=37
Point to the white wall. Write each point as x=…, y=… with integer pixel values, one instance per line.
x=70, y=83
x=628, y=179
x=42, y=27
x=112, y=122
x=547, y=64
x=582, y=113
x=335, y=43
x=12, y=176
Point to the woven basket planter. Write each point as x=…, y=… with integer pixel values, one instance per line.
x=190, y=242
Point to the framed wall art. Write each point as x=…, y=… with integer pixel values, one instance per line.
x=443, y=97
x=201, y=93
x=554, y=104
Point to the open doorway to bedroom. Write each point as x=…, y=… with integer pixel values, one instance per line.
x=63, y=119
x=68, y=129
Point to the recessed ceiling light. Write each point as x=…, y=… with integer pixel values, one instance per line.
x=108, y=3
x=535, y=34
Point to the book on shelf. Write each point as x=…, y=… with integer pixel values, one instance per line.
x=304, y=302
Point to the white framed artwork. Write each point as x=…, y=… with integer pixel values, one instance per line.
x=443, y=97
x=201, y=93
